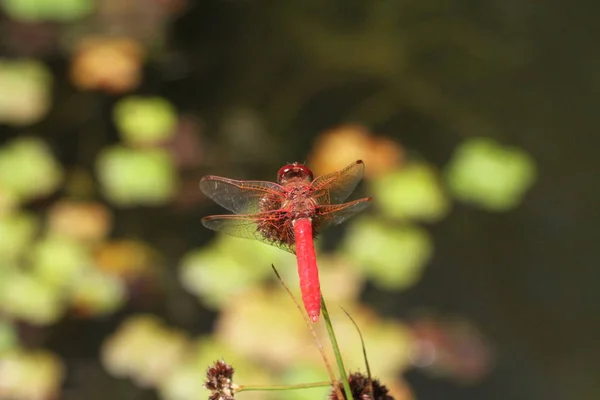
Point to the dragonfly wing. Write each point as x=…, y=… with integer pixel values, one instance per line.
x=240, y=197
x=337, y=186
x=329, y=215
x=247, y=227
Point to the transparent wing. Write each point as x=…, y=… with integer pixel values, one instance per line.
x=335, y=187
x=240, y=197
x=254, y=226
x=329, y=215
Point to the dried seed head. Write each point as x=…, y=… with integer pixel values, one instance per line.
x=363, y=388
x=219, y=381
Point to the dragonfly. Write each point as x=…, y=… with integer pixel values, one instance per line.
x=288, y=214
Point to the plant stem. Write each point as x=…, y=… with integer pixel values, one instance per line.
x=248, y=388
x=336, y=350
x=310, y=327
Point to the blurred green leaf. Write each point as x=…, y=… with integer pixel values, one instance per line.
x=411, y=192
x=59, y=261
x=8, y=336
x=50, y=10
x=26, y=96
x=29, y=298
x=213, y=276
x=16, y=234
x=216, y=273
x=137, y=176
x=493, y=176
x=252, y=253
x=97, y=293
x=28, y=168
x=230, y=265
x=392, y=256
x=145, y=121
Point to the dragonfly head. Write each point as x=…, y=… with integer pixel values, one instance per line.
x=294, y=171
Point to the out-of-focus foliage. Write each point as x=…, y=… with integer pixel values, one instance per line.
x=145, y=121
x=393, y=256
x=145, y=350
x=336, y=147
x=34, y=374
x=8, y=335
x=176, y=369
x=413, y=192
x=205, y=350
x=28, y=297
x=107, y=63
x=128, y=259
x=26, y=96
x=493, y=176
x=80, y=221
x=17, y=231
x=98, y=293
x=83, y=201
x=25, y=161
x=48, y=10
x=230, y=266
x=59, y=261
x=137, y=176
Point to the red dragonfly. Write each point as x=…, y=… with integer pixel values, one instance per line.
x=288, y=214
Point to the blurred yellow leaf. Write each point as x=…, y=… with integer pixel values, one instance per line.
x=30, y=375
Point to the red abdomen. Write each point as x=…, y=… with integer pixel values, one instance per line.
x=307, y=268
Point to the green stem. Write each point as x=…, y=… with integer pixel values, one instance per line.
x=248, y=388
x=336, y=350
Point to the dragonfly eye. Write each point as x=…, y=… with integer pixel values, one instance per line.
x=294, y=170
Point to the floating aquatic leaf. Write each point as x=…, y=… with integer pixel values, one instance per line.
x=144, y=349
x=215, y=275
x=145, y=120
x=111, y=64
x=16, y=234
x=411, y=192
x=59, y=261
x=137, y=176
x=8, y=336
x=393, y=256
x=98, y=293
x=336, y=147
x=264, y=324
x=126, y=259
x=26, y=96
x=29, y=298
x=230, y=266
x=30, y=375
x=28, y=168
x=48, y=10
x=78, y=220
x=493, y=176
